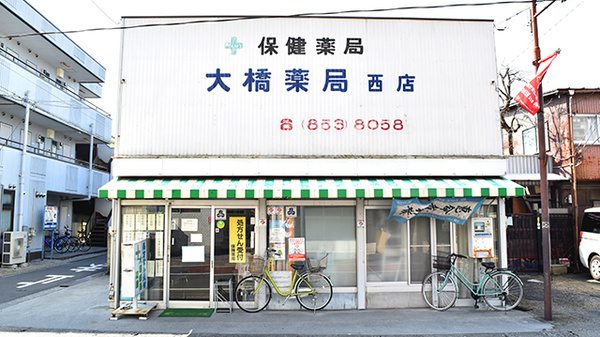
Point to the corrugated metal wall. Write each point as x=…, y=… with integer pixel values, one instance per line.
x=586, y=102
x=526, y=164
x=167, y=109
x=589, y=170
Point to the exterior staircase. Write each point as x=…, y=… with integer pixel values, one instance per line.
x=98, y=234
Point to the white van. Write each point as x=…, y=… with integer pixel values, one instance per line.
x=589, y=241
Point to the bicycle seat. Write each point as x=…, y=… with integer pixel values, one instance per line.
x=488, y=265
x=297, y=266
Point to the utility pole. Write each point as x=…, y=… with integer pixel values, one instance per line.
x=545, y=217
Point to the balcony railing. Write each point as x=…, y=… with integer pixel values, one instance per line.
x=53, y=155
x=46, y=77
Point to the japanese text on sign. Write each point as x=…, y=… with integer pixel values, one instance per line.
x=237, y=240
x=298, y=79
x=456, y=210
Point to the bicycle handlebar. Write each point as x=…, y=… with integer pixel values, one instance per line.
x=270, y=252
x=459, y=255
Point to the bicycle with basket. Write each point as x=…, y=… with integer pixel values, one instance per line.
x=311, y=288
x=501, y=289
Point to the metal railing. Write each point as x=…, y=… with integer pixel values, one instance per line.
x=53, y=155
x=46, y=76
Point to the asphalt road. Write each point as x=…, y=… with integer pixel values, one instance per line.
x=31, y=282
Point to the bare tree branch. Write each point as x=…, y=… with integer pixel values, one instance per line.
x=507, y=78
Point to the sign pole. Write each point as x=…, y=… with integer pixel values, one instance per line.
x=51, y=243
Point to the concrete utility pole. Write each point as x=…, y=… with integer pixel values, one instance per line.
x=545, y=216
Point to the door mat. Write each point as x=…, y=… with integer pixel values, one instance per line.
x=187, y=313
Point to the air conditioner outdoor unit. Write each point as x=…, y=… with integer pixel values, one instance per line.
x=13, y=248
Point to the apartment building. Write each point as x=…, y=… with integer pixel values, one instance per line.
x=53, y=140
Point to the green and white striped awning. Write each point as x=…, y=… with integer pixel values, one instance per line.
x=307, y=188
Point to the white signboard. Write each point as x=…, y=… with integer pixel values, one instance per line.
x=133, y=268
x=313, y=86
x=50, y=217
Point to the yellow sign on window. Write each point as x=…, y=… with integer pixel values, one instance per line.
x=237, y=240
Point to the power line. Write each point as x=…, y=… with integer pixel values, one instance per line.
x=244, y=18
x=103, y=12
x=510, y=18
x=547, y=31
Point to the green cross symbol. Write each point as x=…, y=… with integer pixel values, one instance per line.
x=233, y=45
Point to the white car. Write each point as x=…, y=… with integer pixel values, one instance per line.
x=589, y=241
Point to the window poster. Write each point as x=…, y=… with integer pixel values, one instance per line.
x=279, y=251
x=158, y=268
x=189, y=225
x=193, y=254
x=128, y=222
x=128, y=236
x=276, y=231
x=297, y=250
x=237, y=240
x=159, y=245
x=151, y=222
x=160, y=221
x=141, y=222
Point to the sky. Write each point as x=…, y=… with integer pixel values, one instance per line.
x=566, y=25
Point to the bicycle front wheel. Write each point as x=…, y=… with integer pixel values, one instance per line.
x=313, y=291
x=503, y=291
x=439, y=291
x=74, y=244
x=252, y=293
x=85, y=244
x=61, y=245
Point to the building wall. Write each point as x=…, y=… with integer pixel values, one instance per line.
x=59, y=119
x=450, y=111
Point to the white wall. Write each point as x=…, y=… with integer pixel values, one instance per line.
x=167, y=109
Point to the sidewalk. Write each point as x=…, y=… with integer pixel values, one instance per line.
x=84, y=308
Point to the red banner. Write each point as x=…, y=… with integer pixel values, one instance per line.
x=528, y=97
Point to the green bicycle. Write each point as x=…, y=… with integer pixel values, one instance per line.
x=501, y=289
x=312, y=289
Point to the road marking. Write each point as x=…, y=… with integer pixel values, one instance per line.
x=91, y=267
x=49, y=279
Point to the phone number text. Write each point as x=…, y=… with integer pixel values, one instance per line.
x=339, y=124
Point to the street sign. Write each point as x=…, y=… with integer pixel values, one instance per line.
x=50, y=218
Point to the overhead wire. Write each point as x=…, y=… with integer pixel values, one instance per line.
x=546, y=31
x=244, y=18
x=510, y=18
x=103, y=12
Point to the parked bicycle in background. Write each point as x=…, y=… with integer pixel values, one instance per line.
x=59, y=244
x=312, y=289
x=501, y=289
x=68, y=243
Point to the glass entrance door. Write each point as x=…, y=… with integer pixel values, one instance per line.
x=190, y=255
x=234, y=243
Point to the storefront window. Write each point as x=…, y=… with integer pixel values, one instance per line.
x=420, y=250
x=147, y=222
x=387, y=248
x=326, y=229
x=401, y=252
x=443, y=238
